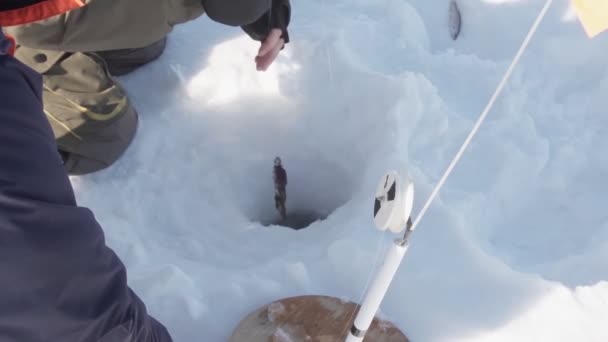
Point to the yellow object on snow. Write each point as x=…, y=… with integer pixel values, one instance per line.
x=593, y=14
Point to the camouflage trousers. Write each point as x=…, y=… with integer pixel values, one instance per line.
x=89, y=112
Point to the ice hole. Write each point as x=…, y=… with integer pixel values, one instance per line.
x=315, y=189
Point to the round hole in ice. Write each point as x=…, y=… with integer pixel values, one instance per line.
x=315, y=189
x=297, y=219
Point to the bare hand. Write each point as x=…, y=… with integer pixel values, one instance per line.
x=269, y=50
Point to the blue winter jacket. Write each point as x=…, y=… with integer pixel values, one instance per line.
x=59, y=282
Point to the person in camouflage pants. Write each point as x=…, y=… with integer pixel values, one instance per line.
x=79, y=53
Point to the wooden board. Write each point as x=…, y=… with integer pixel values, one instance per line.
x=309, y=319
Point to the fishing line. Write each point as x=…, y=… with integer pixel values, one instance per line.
x=483, y=115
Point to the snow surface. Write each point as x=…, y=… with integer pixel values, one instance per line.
x=515, y=247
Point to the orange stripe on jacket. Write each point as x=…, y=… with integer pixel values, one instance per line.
x=39, y=11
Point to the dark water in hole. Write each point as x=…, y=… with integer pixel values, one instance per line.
x=296, y=220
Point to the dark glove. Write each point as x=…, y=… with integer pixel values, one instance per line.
x=278, y=16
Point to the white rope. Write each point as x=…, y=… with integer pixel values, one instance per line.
x=483, y=115
x=475, y=128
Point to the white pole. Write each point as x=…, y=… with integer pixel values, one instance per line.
x=373, y=298
x=377, y=291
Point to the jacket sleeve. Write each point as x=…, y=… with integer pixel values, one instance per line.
x=235, y=12
x=255, y=17
x=62, y=283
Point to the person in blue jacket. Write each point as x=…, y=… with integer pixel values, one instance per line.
x=59, y=280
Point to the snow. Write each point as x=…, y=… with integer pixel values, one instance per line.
x=515, y=247
x=275, y=310
x=282, y=336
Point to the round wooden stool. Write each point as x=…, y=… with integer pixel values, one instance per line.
x=309, y=319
